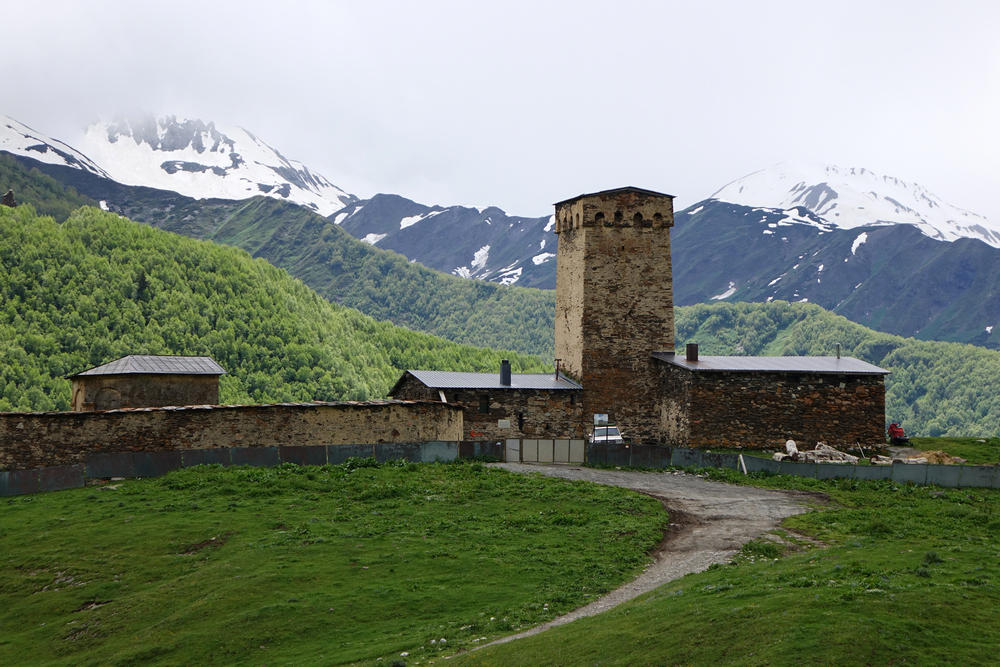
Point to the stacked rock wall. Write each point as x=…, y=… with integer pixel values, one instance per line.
x=530, y=413
x=759, y=410
x=38, y=440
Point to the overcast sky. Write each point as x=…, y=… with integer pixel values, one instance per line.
x=521, y=104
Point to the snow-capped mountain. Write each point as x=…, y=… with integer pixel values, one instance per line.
x=482, y=243
x=847, y=198
x=190, y=157
x=19, y=139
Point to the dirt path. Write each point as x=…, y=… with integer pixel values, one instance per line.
x=710, y=521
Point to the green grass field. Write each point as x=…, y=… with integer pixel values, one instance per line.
x=899, y=575
x=307, y=566
x=359, y=565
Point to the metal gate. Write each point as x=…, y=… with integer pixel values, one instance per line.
x=542, y=450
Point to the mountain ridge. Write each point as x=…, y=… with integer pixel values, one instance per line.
x=815, y=232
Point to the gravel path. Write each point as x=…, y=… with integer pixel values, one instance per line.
x=710, y=521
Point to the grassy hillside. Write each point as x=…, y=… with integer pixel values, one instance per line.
x=98, y=287
x=337, y=565
x=893, y=574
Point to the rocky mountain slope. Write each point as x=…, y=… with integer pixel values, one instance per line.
x=881, y=251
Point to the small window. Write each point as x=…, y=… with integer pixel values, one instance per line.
x=484, y=405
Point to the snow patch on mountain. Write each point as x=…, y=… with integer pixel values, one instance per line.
x=372, y=239
x=848, y=198
x=862, y=237
x=479, y=260
x=728, y=293
x=509, y=274
x=19, y=139
x=414, y=219
x=204, y=160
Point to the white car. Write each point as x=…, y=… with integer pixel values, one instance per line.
x=609, y=434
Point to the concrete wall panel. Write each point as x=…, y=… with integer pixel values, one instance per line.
x=872, y=473
x=303, y=455
x=944, y=475
x=906, y=472
x=258, y=457
x=797, y=469
x=834, y=471
x=397, y=451
x=720, y=460
x=445, y=451
x=155, y=464
x=205, y=457
x=650, y=456
x=683, y=458
x=19, y=482
x=110, y=464
x=980, y=476
x=337, y=454
x=757, y=464
x=62, y=477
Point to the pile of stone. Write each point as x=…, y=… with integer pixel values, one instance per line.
x=822, y=454
x=935, y=456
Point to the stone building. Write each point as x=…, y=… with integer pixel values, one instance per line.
x=147, y=381
x=497, y=406
x=757, y=402
x=614, y=338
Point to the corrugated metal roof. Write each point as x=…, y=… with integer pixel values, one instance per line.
x=822, y=365
x=158, y=365
x=453, y=380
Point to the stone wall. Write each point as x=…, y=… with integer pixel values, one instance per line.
x=759, y=410
x=614, y=302
x=141, y=390
x=38, y=440
x=532, y=413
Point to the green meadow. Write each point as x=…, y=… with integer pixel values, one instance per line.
x=878, y=574
x=333, y=565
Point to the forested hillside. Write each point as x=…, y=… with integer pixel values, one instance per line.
x=380, y=283
x=935, y=388
x=47, y=195
x=98, y=287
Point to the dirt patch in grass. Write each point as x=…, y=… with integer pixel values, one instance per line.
x=212, y=543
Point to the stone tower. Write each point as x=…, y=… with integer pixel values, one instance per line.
x=615, y=302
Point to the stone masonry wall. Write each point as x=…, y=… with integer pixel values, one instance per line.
x=614, y=302
x=141, y=390
x=546, y=414
x=37, y=440
x=763, y=410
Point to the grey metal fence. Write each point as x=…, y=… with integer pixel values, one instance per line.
x=649, y=456
x=154, y=464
